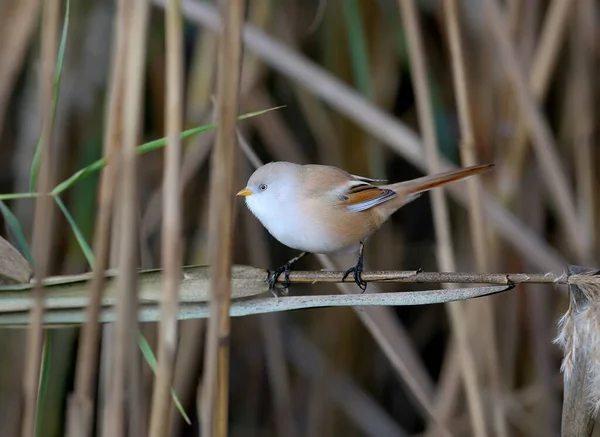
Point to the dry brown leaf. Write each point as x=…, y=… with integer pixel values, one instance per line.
x=13, y=267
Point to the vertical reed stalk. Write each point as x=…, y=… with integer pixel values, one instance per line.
x=584, y=45
x=544, y=145
x=44, y=211
x=478, y=231
x=126, y=359
x=171, y=232
x=445, y=254
x=81, y=404
x=216, y=366
x=542, y=67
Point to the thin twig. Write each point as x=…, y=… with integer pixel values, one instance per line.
x=81, y=404
x=150, y=280
x=70, y=294
x=43, y=217
x=126, y=359
x=477, y=224
x=444, y=246
x=216, y=366
x=171, y=233
x=270, y=324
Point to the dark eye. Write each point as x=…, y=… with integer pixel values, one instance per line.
x=262, y=187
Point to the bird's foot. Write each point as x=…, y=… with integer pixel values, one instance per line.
x=273, y=277
x=357, y=274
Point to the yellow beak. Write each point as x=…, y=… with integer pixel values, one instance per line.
x=245, y=192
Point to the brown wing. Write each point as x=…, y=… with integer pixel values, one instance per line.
x=351, y=191
x=363, y=196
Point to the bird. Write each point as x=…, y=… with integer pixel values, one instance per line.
x=322, y=209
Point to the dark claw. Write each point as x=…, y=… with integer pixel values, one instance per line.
x=358, y=269
x=272, y=278
x=286, y=268
x=357, y=275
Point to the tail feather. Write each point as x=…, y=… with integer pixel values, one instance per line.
x=425, y=183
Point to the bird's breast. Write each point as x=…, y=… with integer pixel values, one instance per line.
x=317, y=228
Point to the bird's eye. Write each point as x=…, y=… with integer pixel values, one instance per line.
x=262, y=187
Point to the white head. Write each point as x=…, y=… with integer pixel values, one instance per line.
x=271, y=188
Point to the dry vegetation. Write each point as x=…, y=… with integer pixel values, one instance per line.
x=387, y=89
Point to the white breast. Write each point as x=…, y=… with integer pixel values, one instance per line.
x=294, y=228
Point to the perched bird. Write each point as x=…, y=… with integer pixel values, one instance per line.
x=323, y=209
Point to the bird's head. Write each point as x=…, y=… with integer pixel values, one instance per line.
x=270, y=187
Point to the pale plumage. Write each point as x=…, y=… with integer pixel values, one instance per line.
x=323, y=209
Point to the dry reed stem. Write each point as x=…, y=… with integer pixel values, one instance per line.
x=81, y=403
x=283, y=414
x=477, y=224
x=279, y=380
x=44, y=211
x=216, y=364
x=467, y=140
x=199, y=90
x=545, y=147
x=381, y=125
x=445, y=255
x=18, y=23
x=448, y=387
x=76, y=286
x=195, y=156
x=191, y=332
x=171, y=233
x=542, y=67
x=583, y=117
x=125, y=372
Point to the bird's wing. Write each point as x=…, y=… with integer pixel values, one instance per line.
x=354, y=192
x=360, y=196
x=364, y=179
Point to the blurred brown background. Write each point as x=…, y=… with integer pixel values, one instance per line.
x=321, y=372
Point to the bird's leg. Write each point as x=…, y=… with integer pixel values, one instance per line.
x=286, y=268
x=357, y=269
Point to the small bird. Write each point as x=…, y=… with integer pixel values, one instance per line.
x=323, y=209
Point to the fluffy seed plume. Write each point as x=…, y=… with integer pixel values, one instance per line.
x=579, y=333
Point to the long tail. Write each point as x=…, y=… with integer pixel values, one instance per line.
x=425, y=183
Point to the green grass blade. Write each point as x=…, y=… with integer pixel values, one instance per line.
x=144, y=148
x=85, y=247
x=17, y=231
x=151, y=360
x=35, y=165
x=80, y=174
x=14, y=196
x=359, y=57
x=45, y=371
